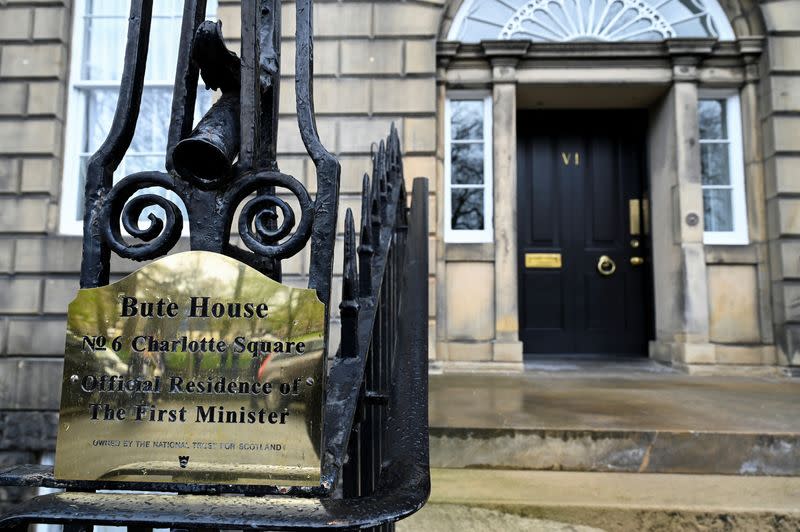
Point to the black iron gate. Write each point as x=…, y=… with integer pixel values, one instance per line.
x=375, y=434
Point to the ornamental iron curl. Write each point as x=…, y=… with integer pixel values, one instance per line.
x=122, y=204
x=228, y=160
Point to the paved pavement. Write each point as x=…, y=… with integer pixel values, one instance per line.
x=598, y=443
x=604, y=395
x=455, y=518
x=469, y=499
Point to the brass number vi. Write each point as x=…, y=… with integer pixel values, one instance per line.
x=568, y=157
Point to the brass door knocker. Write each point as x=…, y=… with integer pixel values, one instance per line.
x=606, y=266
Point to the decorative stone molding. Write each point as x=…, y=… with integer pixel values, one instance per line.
x=684, y=51
x=750, y=49
x=510, y=49
x=504, y=57
x=445, y=51
x=686, y=55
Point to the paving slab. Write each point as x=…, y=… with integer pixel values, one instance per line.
x=622, y=501
x=455, y=518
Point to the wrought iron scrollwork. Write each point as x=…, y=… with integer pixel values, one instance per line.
x=228, y=160
x=258, y=227
x=122, y=204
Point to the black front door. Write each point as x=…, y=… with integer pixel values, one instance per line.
x=583, y=251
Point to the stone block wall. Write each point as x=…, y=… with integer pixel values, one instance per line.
x=780, y=124
x=374, y=65
x=33, y=71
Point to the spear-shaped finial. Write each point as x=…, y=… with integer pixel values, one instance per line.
x=376, y=217
x=365, y=249
x=349, y=305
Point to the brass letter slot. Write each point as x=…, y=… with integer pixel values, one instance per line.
x=635, y=218
x=543, y=260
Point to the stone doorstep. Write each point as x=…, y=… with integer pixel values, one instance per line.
x=620, y=501
x=627, y=451
x=437, y=367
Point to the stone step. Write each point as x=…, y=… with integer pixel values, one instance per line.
x=621, y=501
x=630, y=451
x=601, y=415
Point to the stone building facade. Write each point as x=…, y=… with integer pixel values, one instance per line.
x=462, y=79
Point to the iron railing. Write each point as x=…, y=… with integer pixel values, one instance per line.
x=375, y=435
x=375, y=457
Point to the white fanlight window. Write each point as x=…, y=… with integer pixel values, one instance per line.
x=468, y=168
x=722, y=169
x=99, y=37
x=589, y=20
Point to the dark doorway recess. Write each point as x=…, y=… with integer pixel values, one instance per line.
x=584, y=253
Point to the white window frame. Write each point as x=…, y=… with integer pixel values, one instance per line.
x=733, y=113
x=470, y=235
x=71, y=190
x=76, y=109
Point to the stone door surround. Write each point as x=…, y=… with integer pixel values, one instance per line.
x=671, y=72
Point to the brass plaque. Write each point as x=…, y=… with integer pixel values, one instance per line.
x=543, y=260
x=195, y=368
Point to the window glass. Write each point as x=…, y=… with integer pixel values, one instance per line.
x=714, y=162
x=95, y=87
x=100, y=106
x=114, y=8
x=467, y=208
x=589, y=20
x=467, y=119
x=469, y=171
x=722, y=171
x=717, y=210
x=714, y=166
x=103, y=50
x=711, y=116
x=467, y=160
x=105, y=27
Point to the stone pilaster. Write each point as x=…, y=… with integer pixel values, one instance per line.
x=504, y=58
x=681, y=280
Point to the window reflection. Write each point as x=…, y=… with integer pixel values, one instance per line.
x=467, y=169
x=96, y=86
x=467, y=119
x=718, y=210
x=715, y=165
x=467, y=208
x=467, y=160
x=711, y=118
